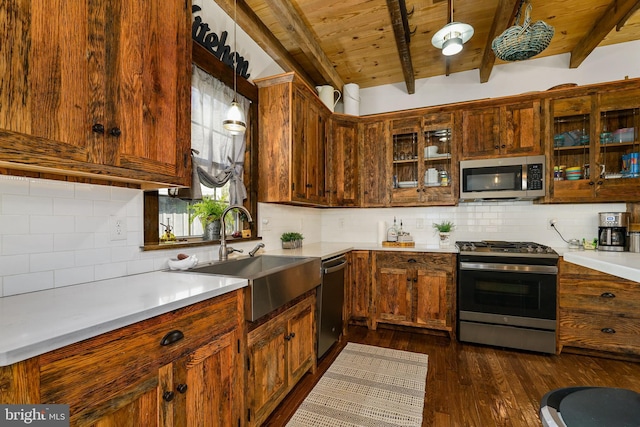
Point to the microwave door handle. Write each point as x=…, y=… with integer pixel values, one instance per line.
x=524, y=177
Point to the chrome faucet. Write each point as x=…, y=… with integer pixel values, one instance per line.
x=253, y=251
x=224, y=252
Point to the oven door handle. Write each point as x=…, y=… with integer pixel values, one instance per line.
x=519, y=268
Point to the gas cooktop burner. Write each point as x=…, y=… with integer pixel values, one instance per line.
x=493, y=247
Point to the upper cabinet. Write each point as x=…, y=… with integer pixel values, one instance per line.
x=343, y=164
x=509, y=129
x=293, y=134
x=422, y=153
x=591, y=137
x=373, y=161
x=89, y=93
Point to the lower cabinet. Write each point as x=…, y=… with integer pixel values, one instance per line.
x=182, y=368
x=414, y=289
x=358, y=287
x=280, y=352
x=598, y=311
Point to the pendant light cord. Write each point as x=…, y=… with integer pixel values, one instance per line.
x=235, y=49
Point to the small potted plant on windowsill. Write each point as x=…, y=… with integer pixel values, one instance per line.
x=291, y=240
x=209, y=211
x=444, y=231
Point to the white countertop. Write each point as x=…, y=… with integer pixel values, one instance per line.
x=39, y=322
x=621, y=264
x=326, y=250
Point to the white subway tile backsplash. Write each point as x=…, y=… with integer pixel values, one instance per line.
x=15, y=244
x=14, y=224
x=92, y=256
x=31, y=282
x=51, y=261
x=72, y=241
x=92, y=192
x=14, y=185
x=46, y=188
x=73, y=276
x=26, y=205
x=109, y=271
x=14, y=264
x=72, y=207
x=48, y=224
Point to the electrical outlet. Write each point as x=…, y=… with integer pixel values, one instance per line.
x=419, y=223
x=118, y=228
x=551, y=222
x=266, y=224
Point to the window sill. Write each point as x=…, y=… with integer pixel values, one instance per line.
x=193, y=243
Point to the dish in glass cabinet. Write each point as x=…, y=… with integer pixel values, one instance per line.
x=407, y=184
x=439, y=156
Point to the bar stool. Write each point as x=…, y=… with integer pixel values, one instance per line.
x=590, y=407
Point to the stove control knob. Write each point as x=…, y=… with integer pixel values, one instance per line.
x=539, y=249
x=530, y=249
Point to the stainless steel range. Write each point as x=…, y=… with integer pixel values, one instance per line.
x=507, y=294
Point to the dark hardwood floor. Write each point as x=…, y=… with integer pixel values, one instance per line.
x=478, y=386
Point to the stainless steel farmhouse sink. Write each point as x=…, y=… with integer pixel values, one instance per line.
x=273, y=280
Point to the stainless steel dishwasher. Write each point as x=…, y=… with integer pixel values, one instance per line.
x=330, y=302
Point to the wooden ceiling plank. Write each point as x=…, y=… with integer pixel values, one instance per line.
x=300, y=33
x=627, y=16
x=503, y=19
x=259, y=32
x=615, y=13
x=402, y=44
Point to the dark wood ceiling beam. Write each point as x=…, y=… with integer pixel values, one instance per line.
x=503, y=19
x=402, y=37
x=617, y=12
x=255, y=28
x=305, y=39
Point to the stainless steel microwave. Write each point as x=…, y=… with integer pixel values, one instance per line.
x=503, y=178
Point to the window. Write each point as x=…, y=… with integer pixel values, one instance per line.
x=215, y=148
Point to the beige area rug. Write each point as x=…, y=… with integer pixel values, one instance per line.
x=367, y=386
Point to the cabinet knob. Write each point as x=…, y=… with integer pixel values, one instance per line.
x=503, y=146
x=496, y=147
x=288, y=337
x=168, y=396
x=308, y=185
x=293, y=334
x=591, y=183
x=98, y=128
x=599, y=182
x=115, y=132
x=608, y=330
x=182, y=388
x=608, y=295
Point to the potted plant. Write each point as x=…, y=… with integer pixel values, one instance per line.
x=291, y=240
x=209, y=211
x=444, y=231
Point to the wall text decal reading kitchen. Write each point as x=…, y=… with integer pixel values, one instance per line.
x=217, y=45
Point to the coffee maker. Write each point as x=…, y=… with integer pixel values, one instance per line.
x=613, y=231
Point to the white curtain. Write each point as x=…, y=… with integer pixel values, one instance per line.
x=218, y=156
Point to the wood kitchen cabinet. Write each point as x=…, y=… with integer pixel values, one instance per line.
x=358, y=289
x=373, y=161
x=280, y=352
x=414, y=289
x=410, y=160
x=180, y=368
x=598, y=312
x=98, y=90
x=509, y=129
x=596, y=127
x=292, y=162
x=343, y=154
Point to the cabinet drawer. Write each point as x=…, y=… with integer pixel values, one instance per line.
x=592, y=295
x=599, y=332
x=98, y=369
x=432, y=261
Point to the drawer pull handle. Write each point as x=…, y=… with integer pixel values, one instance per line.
x=608, y=330
x=168, y=396
x=172, y=337
x=182, y=388
x=291, y=335
x=608, y=295
x=98, y=128
x=411, y=260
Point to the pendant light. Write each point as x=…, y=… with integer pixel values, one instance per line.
x=235, y=121
x=452, y=36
